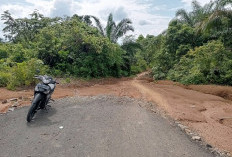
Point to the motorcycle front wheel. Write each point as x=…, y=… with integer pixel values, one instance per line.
x=34, y=105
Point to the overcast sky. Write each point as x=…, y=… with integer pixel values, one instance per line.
x=148, y=16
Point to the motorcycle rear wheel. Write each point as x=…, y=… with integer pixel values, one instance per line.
x=34, y=106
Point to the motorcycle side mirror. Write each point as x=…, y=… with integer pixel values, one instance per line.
x=37, y=71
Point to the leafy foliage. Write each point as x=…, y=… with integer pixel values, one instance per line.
x=112, y=30
x=25, y=29
x=67, y=46
x=79, y=50
x=195, y=49
x=210, y=63
x=132, y=57
x=20, y=74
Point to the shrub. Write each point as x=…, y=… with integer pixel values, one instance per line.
x=22, y=73
x=4, y=79
x=163, y=61
x=79, y=50
x=210, y=63
x=3, y=51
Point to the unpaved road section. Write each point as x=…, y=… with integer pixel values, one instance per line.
x=100, y=126
x=205, y=109
x=208, y=115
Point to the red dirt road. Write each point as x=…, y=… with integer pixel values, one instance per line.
x=209, y=115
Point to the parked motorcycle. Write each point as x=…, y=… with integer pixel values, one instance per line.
x=42, y=94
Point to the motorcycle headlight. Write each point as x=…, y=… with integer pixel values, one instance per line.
x=42, y=88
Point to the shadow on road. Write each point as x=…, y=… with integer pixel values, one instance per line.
x=42, y=118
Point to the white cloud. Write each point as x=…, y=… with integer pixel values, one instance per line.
x=61, y=8
x=144, y=22
x=133, y=9
x=64, y=7
x=137, y=12
x=189, y=2
x=118, y=13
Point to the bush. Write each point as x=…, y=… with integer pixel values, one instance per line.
x=4, y=79
x=163, y=61
x=3, y=51
x=22, y=74
x=79, y=50
x=140, y=64
x=210, y=64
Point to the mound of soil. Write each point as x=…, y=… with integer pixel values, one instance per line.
x=221, y=91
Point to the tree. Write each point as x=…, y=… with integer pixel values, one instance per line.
x=87, y=19
x=11, y=25
x=207, y=64
x=72, y=47
x=198, y=13
x=218, y=24
x=219, y=12
x=112, y=30
x=179, y=38
x=184, y=17
x=25, y=29
x=131, y=47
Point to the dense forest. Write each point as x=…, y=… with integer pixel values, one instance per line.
x=195, y=49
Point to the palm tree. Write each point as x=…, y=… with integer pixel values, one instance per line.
x=198, y=14
x=183, y=16
x=87, y=20
x=201, y=12
x=219, y=12
x=112, y=30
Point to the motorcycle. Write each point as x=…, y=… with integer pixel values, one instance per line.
x=42, y=94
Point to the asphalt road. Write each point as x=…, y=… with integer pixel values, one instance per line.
x=101, y=126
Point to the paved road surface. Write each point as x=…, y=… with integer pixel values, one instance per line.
x=101, y=126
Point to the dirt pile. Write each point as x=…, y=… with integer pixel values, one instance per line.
x=221, y=91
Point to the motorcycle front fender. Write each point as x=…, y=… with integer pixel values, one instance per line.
x=39, y=97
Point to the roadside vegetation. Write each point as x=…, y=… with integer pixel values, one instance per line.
x=195, y=49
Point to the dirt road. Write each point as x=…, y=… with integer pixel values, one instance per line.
x=208, y=115
x=100, y=126
x=205, y=109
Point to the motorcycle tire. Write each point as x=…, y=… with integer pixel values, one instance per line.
x=34, y=106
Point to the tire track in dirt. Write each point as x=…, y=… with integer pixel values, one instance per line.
x=150, y=95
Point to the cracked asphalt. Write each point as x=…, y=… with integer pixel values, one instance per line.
x=100, y=126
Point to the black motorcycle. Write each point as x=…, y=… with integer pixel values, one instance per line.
x=42, y=94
